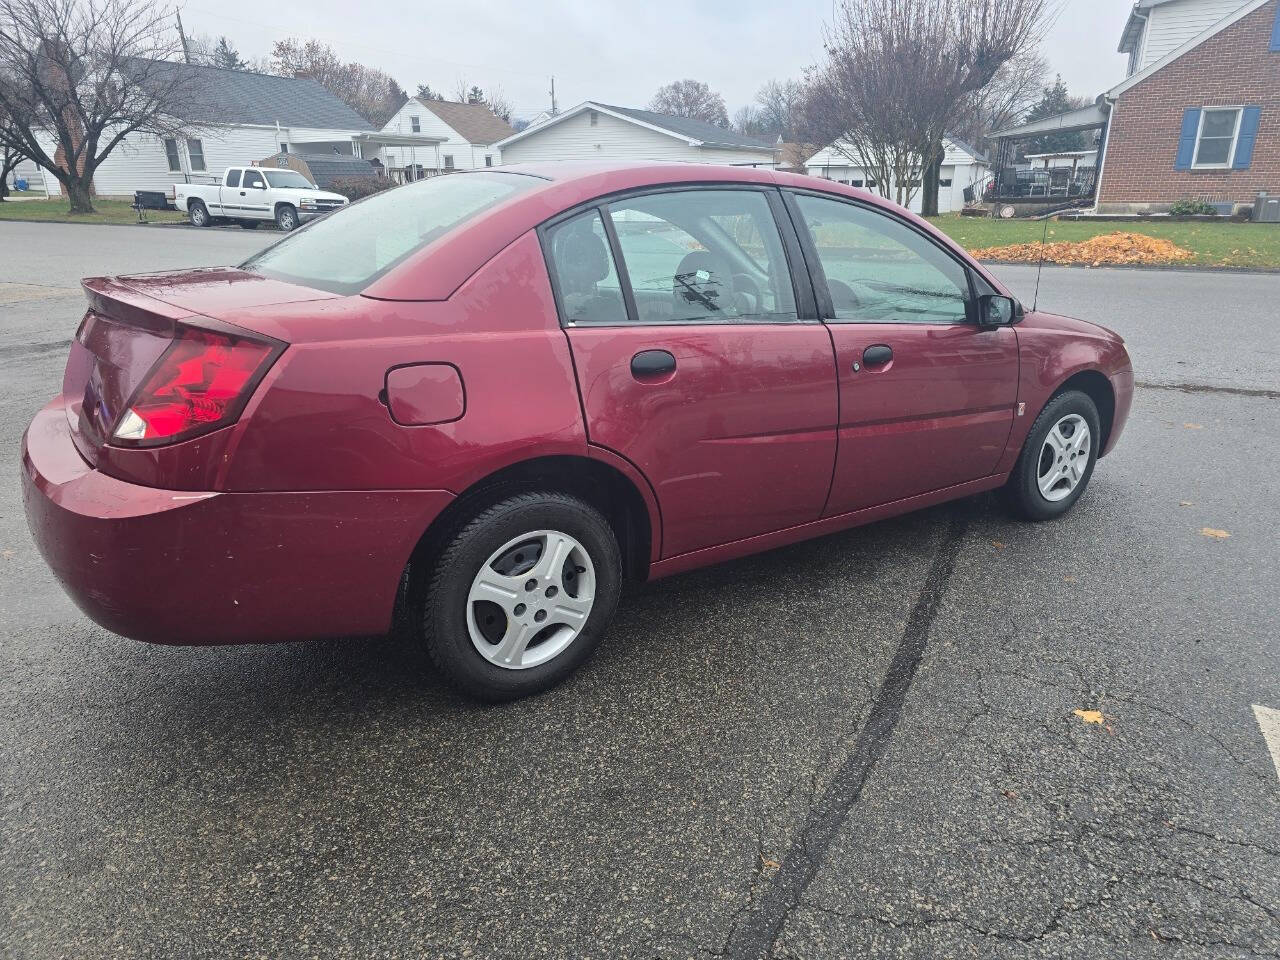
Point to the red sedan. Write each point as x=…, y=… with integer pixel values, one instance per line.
x=486, y=400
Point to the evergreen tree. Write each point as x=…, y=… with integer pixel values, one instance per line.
x=1056, y=100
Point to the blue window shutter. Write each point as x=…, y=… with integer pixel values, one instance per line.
x=1187, y=138
x=1248, y=133
x=1275, y=33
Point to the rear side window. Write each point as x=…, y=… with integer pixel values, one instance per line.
x=233, y=178
x=347, y=250
x=704, y=256
x=585, y=274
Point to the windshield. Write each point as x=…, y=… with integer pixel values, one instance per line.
x=347, y=250
x=288, y=178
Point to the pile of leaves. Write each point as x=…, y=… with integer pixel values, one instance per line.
x=1102, y=250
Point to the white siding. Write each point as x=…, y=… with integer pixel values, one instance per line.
x=614, y=139
x=1170, y=25
x=140, y=161
x=466, y=155
x=950, y=198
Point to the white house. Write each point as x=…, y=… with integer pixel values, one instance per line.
x=592, y=130
x=250, y=116
x=962, y=166
x=467, y=134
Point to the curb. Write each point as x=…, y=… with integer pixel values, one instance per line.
x=1153, y=267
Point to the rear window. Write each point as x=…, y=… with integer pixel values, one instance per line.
x=349, y=249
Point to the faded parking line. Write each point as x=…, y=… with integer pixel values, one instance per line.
x=23, y=292
x=1269, y=724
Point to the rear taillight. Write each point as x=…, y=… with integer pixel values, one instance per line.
x=200, y=383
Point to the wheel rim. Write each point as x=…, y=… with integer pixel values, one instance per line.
x=197, y=216
x=531, y=599
x=1064, y=458
x=286, y=219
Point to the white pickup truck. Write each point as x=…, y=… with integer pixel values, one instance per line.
x=250, y=195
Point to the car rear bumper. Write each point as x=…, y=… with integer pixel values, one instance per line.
x=171, y=566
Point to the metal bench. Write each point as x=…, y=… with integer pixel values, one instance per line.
x=144, y=200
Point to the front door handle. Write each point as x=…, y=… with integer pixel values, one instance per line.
x=877, y=355
x=648, y=364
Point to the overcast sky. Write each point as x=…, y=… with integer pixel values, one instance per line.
x=599, y=51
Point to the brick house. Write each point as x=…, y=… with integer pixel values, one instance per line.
x=1197, y=117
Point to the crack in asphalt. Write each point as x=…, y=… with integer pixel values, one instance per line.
x=755, y=930
x=1209, y=388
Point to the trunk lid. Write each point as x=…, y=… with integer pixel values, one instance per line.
x=130, y=323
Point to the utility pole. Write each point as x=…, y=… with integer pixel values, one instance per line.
x=555, y=110
x=186, y=53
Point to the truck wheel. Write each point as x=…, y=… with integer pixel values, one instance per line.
x=199, y=214
x=286, y=217
x=250, y=224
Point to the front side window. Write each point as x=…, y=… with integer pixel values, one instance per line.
x=346, y=251
x=879, y=270
x=252, y=178
x=704, y=256
x=171, y=153
x=1216, y=140
x=585, y=274
x=195, y=150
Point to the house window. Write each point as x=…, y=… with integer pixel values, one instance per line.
x=195, y=150
x=415, y=125
x=595, y=118
x=171, y=151
x=284, y=148
x=1216, y=138
x=944, y=183
x=448, y=161
x=488, y=160
x=855, y=183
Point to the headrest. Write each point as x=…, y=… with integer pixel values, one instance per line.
x=581, y=258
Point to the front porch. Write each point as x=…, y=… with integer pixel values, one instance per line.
x=1029, y=184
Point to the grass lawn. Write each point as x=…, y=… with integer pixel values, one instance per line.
x=1211, y=244
x=56, y=210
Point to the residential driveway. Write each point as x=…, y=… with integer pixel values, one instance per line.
x=860, y=746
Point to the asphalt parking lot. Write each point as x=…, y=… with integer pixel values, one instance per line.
x=862, y=745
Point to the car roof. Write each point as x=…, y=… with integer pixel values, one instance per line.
x=560, y=186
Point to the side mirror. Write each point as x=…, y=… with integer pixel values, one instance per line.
x=997, y=311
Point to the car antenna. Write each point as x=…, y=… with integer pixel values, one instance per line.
x=1040, y=266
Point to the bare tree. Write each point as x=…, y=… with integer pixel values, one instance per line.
x=87, y=73
x=1003, y=102
x=781, y=108
x=898, y=73
x=691, y=98
x=10, y=154
x=497, y=101
x=370, y=92
x=747, y=120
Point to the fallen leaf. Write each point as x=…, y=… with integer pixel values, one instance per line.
x=1184, y=503
x=769, y=864
x=1089, y=716
x=1210, y=532
x=1069, y=579
x=997, y=544
x=1193, y=426
x=1009, y=794
x=1107, y=248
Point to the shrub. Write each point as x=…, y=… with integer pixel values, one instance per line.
x=1192, y=208
x=354, y=188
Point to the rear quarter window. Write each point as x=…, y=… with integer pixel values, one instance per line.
x=350, y=249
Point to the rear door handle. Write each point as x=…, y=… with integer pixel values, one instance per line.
x=877, y=355
x=648, y=364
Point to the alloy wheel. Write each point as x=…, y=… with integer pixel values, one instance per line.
x=531, y=599
x=1064, y=458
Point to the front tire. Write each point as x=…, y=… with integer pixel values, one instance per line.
x=286, y=218
x=521, y=595
x=199, y=214
x=1057, y=459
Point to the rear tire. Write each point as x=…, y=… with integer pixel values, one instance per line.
x=1057, y=459
x=199, y=214
x=286, y=218
x=521, y=595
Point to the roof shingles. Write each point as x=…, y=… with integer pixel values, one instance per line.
x=475, y=122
